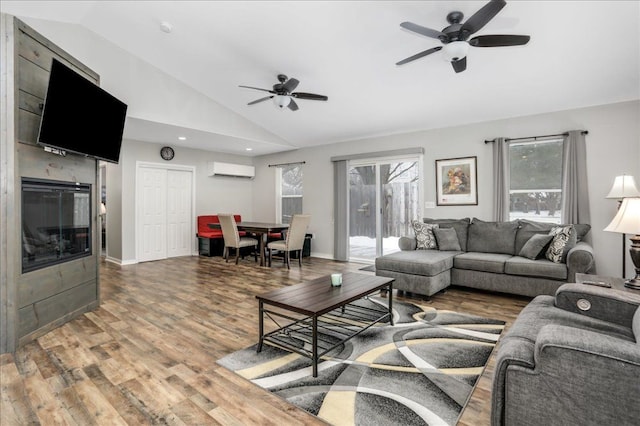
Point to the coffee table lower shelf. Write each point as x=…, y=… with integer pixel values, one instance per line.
x=315, y=336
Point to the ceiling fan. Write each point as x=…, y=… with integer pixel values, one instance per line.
x=455, y=36
x=282, y=93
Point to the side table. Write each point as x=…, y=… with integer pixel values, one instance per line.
x=616, y=283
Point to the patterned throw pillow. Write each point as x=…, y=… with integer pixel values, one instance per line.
x=424, y=235
x=564, y=238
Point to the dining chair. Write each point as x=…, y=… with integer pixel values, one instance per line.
x=294, y=240
x=232, y=238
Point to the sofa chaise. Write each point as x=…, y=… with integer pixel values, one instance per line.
x=510, y=257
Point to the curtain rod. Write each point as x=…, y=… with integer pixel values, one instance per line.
x=535, y=138
x=287, y=164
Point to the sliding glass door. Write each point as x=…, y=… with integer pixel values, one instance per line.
x=384, y=197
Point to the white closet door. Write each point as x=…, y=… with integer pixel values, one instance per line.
x=152, y=212
x=179, y=218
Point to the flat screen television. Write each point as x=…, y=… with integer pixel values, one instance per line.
x=80, y=117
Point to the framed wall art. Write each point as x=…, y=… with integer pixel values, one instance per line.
x=456, y=181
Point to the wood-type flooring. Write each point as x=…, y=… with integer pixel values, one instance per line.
x=148, y=354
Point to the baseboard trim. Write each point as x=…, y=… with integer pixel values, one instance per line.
x=120, y=261
x=323, y=255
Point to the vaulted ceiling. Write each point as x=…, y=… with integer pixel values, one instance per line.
x=581, y=53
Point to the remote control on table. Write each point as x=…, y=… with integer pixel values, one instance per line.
x=597, y=283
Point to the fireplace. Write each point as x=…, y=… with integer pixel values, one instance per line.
x=56, y=222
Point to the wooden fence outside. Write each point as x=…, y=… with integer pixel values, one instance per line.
x=400, y=207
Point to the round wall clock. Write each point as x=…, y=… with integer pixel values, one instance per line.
x=167, y=153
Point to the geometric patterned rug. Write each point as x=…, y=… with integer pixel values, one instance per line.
x=420, y=371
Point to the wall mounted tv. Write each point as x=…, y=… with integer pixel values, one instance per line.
x=80, y=117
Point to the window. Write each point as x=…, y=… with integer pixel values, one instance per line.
x=290, y=194
x=535, y=190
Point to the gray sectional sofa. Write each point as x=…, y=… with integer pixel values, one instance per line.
x=488, y=258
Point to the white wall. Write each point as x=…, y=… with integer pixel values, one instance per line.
x=613, y=148
x=213, y=194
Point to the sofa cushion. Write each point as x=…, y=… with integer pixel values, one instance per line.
x=447, y=239
x=485, y=262
x=528, y=228
x=492, y=237
x=564, y=239
x=541, y=268
x=212, y=233
x=460, y=225
x=417, y=262
x=425, y=239
x=535, y=246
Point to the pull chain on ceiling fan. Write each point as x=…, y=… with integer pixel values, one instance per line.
x=455, y=36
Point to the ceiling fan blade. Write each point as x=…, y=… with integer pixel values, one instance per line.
x=258, y=88
x=310, y=96
x=419, y=55
x=499, y=40
x=293, y=106
x=422, y=30
x=290, y=85
x=482, y=16
x=260, y=100
x=459, y=65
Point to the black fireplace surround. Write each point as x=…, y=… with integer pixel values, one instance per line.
x=56, y=222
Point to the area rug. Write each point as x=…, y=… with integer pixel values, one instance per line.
x=420, y=371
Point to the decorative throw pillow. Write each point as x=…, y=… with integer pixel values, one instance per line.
x=535, y=245
x=564, y=238
x=447, y=239
x=424, y=235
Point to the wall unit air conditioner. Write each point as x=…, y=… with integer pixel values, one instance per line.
x=216, y=168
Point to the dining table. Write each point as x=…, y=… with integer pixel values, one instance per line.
x=261, y=230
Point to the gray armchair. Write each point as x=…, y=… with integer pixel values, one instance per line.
x=572, y=359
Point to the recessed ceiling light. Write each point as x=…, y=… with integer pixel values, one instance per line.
x=182, y=138
x=248, y=149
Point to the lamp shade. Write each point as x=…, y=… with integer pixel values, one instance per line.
x=455, y=50
x=624, y=186
x=627, y=221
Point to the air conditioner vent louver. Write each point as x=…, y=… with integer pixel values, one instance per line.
x=216, y=168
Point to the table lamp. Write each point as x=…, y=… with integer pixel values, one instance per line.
x=627, y=221
x=623, y=186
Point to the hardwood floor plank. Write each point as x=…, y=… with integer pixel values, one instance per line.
x=191, y=414
x=148, y=354
x=15, y=405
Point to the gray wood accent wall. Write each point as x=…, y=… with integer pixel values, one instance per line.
x=41, y=300
x=8, y=298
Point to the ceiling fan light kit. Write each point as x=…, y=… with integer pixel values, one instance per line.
x=455, y=51
x=455, y=37
x=281, y=101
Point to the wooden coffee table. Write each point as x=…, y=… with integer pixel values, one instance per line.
x=327, y=316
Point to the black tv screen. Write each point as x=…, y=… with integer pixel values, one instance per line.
x=80, y=117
